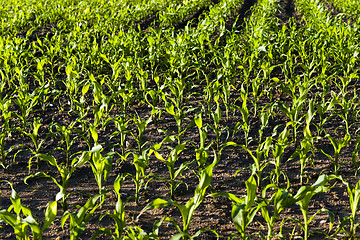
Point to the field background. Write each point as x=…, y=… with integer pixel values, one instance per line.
x=233, y=107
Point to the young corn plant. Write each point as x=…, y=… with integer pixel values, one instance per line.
x=5, y=105
x=122, y=129
x=79, y=219
x=256, y=83
x=243, y=209
x=101, y=166
x=81, y=107
x=306, y=145
x=20, y=224
x=187, y=210
x=37, y=144
x=281, y=199
x=216, y=117
x=202, y=152
x=67, y=138
x=3, y=152
x=88, y=132
x=293, y=112
x=170, y=163
x=179, y=116
x=356, y=153
x=348, y=108
x=210, y=90
x=324, y=109
x=140, y=163
x=278, y=151
x=65, y=174
x=337, y=145
x=225, y=95
x=245, y=116
x=6, y=131
x=303, y=198
x=354, y=200
x=101, y=113
x=25, y=102
x=141, y=126
x=260, y=158
x=264, y=116
x=72, y=82
x=118, y=215
x=156, y=97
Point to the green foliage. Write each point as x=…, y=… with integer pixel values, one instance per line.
x=80, y=81
x=243, y=209
x=23, y=218
x=187, y=210
x=79, y=219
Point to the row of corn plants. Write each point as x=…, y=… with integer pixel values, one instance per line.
x=349, y=8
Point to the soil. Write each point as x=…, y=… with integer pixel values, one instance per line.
x=228, y=176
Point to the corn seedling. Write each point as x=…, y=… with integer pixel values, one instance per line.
x=23, y=218
x=216, y=117
x=354, y=201
x=79, y=219
x=304, y=196
x=306, y=145
x=26, y=102
x=6, y=114
x=170, y=163
x=64, y=172
x=141, y=126
x=322, y=108
x=34, y=138
x=260, y=158
x=187, y=210
x=278, y=151
x=243, y=209
x=356, y=153
x=155, y=97
x=337, y=145
x=122, y=129
x=264, y=116
x=140, y=163
x=245, y=116
x=101, y=166
x=179, y=116
x=4, y=152
x=118, y=215
x=293, y=112
x=67, y=138
x=281, y=199
x=202, y=152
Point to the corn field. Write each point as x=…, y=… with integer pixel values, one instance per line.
x=179, y=119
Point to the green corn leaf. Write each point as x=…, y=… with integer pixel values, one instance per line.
x=251, y=187
x=50, y=214
x=108, y=167
x=15, y=200
x=85, y=157
x=8, y=218
x=35, y=228
x=49, y=159
x=157, y=203
x=170, y=109
x=198, y=121
x=93, y=132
